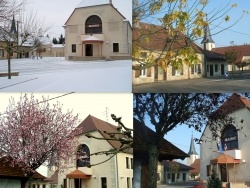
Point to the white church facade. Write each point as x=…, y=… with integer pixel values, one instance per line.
x=97, y=30
x=231, y=160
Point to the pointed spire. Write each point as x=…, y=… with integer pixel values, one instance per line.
x=207, y=36
x=13, y=26
x=192, y=148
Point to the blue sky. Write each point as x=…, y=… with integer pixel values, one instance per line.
x=239, y=33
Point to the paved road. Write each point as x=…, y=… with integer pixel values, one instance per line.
x=189, y=184
x=211, y=85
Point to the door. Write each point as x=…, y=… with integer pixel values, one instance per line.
x=223, y=172
x=173, y=178
x=184, y=177
x=211, y=70
x=89, y=49
x=78, y=183
x=222, y=68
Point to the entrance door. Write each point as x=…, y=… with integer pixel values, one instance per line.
x=223, y=172
x=222, y=68
x=89, y=49
x=184, y=177
x=211, y=70
x=173, y=178
x=78, y=183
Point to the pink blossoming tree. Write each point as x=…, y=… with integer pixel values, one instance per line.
x=33, y=133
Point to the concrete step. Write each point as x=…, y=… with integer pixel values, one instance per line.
x=239, y=185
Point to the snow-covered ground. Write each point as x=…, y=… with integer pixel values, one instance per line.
x=55, y=74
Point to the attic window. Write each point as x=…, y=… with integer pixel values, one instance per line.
x=93, y=25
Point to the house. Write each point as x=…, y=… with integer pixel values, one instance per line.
x=243, y=60
x=229, y=155
x=14, y=177
x=143, y=136
x=117, y=171
x=174, y=171
x=149, y=41
x=97, y=30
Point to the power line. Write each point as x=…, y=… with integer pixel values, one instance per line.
x=45, y=100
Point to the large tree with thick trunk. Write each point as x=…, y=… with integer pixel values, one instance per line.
x=167, y=111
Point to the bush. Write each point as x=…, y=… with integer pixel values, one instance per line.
x=214, y=181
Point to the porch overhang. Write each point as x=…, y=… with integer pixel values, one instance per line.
x=224, y=159
x=91, y=39
x=77, y=174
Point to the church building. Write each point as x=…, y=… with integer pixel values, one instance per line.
x=97, y=30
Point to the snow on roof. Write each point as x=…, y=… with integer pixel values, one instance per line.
x=58, y=45
x=89, y=3
x=92, y=38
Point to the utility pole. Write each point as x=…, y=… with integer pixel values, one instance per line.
x=17, y=38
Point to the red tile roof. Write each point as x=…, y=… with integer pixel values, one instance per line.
x=7, y=170
x=153, y=37
x=223, y=159
x=196, y=167
x=92, y=123
x=233, y=103
x=243, y=50
x=54, y=178
x=78, y=174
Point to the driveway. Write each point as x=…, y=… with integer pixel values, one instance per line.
x=211, y=85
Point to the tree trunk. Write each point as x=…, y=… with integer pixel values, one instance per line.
x=153, y=151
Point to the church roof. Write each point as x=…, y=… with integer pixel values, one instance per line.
x=89, y=3
x=196, y=166
x=207, y=37
x=13, y=26
x=92, y=123
x=192, y=150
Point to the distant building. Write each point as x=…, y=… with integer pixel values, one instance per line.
x=229, y=155
x=97, y=30
x=195, y=172
x=169, y=174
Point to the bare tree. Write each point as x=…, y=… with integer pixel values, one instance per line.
x=27, y=30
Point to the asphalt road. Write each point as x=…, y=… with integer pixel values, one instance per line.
x=203, y=85
x=189, y=184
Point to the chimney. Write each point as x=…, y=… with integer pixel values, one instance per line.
x=110, y=1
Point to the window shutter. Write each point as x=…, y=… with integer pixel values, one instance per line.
x=192, y=69
x=149, y=72
x=137, y=72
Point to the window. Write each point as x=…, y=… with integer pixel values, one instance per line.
x=73, y=48
x=208, y=170
x=65, y=183
x=178, y=71
x=196, y=69
x=1, y=53
x=178, y=175
x=38, y=186
x=82, y=156
x=184, y=176
x=127, y=163
x=33, y=186
x=216, y=68
x=128, y=182
x=132, y=162
x=207, y=68
x=93, y=25
x=44, y=186
x=78, y=183
x=104, y=182
x=229, y=138
x=115, y=47
x=169, y=176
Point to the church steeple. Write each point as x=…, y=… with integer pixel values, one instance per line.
x=207, y=39
x=13, y=26
x=192, y=150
